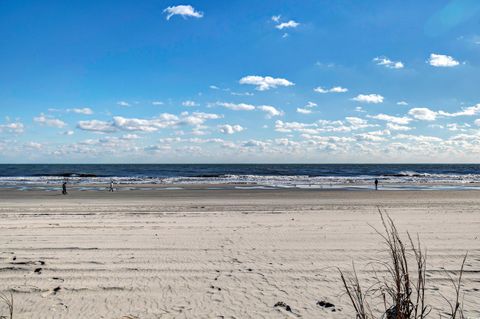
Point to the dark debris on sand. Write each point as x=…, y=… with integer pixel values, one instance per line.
x=281, y=304
x=327, y=305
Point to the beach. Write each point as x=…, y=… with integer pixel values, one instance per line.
x=201, y=252
x=240, y=159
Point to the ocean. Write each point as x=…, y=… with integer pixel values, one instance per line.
x=396, y=176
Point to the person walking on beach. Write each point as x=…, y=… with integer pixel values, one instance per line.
x=64, y=188
x=376, y=184
x=111, y=186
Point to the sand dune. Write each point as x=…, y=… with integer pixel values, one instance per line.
x=200, y=253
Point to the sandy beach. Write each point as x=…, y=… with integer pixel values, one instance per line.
x=165, y=159
x=204, y=253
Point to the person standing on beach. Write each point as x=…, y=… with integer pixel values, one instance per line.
x=376, y=184
x=111, y=186
x=64, y=188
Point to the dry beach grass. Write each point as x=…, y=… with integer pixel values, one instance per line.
x=400, y=286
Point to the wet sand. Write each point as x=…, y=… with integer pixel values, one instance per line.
x=204, y=253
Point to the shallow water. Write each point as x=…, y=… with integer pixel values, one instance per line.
x=315, y=176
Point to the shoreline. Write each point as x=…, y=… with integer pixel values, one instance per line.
x=205, y=193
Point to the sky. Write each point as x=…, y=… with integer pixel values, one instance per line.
x=240, y=81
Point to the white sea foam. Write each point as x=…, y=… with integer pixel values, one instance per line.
x=299, y=181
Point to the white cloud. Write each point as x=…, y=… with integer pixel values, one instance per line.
x=134, y=124
x=356, y=121
x=289, y=24
x=255, y=143
x=270, y=110
x=189, y=103
x=264, y=83
x=388, y=63
x=418, y=138
x=338, y=89
x=402, y=103
x=84, y=111
x=287, y=127
x=440, y=60
x=392, y=119
x=165, y=120
x=214, y=87
x=15, y=127
x=320, y=126
x=396, y=127
x=96, y=126
x=198, y=131
x=458, y=127
x=123, y=103
x=276, y=18
x=307, y=109
x=321, y=90
x=68, y=133
x=423, y=113
x=303, y=111
x=49, y=121
x=286, y=142
x=369, y=98
x=195, y=140
x=237, y=107
x=230, y=129
x=329, y=139
x=335, y=89
x=196, y=118
x=182, y=10
x=130, y=137
x=157, y=103
x=372, y=136
x=467, y=111
x=477, y=122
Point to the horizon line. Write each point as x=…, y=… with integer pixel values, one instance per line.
x=260, y=163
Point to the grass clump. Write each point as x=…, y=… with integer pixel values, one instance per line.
x=403, y=285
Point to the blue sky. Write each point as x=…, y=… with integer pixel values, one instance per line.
x=239, y=81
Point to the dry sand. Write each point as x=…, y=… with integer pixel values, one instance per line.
x=199, y=253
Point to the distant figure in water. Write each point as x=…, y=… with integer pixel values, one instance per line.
x=111, y=186
x=376, y=184
x=64, y=188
